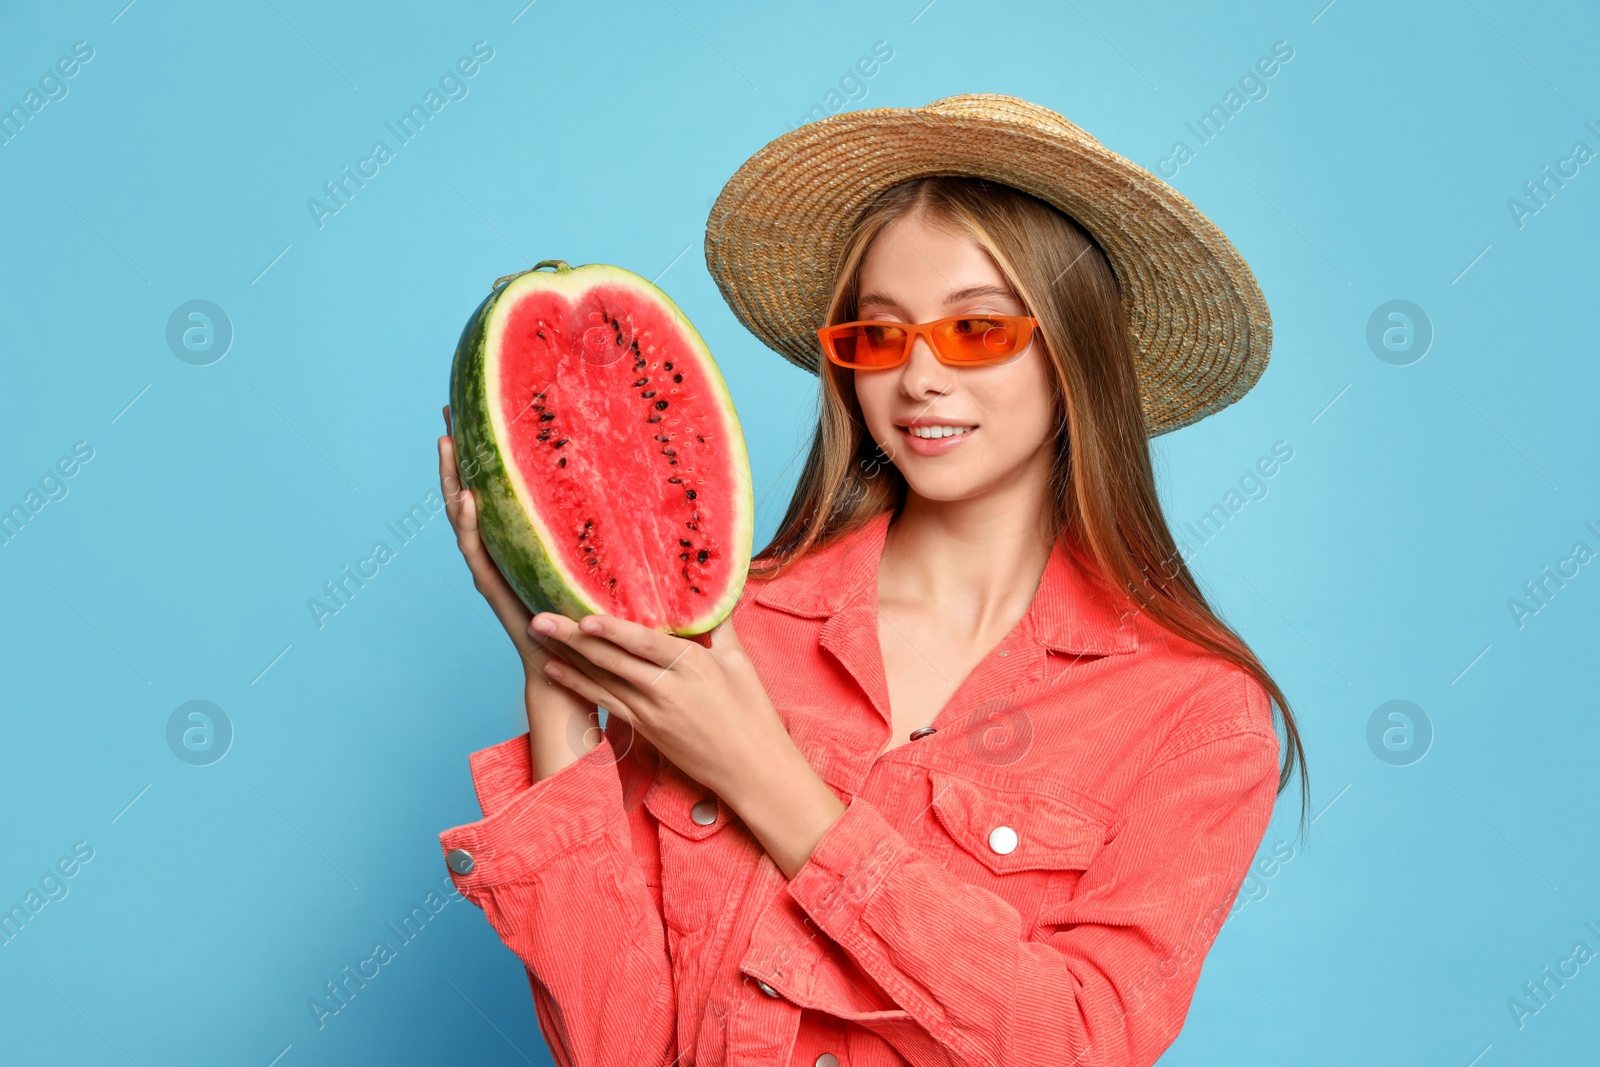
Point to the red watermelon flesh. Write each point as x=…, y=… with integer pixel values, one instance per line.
x=614, y=475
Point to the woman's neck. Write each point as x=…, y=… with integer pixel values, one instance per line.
x=978, y=560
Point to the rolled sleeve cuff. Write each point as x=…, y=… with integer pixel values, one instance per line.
x=851, y=860
x=501, y=771
x=528, y=824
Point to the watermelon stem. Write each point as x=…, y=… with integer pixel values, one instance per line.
x=560, y=266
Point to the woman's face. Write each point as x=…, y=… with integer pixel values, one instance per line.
x=995, y=421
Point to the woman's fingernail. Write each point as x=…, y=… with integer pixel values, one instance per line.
x=544, y=625
x=552, y=669
x=590, y=625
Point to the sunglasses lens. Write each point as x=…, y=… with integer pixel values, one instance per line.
x=979, y=339
x=976, y=339
x=869, y=344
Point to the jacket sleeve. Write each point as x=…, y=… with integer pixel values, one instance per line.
x=566, y=871
x=1107, y=977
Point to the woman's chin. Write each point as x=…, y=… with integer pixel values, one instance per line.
x=949, y=487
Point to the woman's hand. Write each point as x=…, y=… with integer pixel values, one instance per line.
x=704, y=709
x=561, y=722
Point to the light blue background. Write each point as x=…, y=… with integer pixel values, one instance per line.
x=1378, y=566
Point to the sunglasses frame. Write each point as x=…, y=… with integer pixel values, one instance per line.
x=1028, y=324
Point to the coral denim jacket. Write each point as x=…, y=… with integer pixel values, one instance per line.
x=1034, y=881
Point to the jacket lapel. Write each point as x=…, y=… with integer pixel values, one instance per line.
x=1072, y=613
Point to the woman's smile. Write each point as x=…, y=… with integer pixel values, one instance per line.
x=929, y=437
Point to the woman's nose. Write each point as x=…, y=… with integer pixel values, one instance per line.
x=923, y=374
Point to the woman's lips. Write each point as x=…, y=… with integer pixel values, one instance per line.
x=933, y=446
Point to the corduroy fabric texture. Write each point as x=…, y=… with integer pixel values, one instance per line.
x=1201, y=329
x=1035, y=882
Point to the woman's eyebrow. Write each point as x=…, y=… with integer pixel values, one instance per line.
x=961, y=296
x=957, y=297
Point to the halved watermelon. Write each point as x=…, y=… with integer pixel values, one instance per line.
x=602, y=449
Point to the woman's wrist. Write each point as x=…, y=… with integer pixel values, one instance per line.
x=558, y=734
x=787, y=806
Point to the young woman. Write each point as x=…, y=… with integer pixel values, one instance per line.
x=972, y=774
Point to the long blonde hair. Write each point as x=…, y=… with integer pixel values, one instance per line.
x=1107, y=508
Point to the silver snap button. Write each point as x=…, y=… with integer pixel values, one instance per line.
x=923, y=732
x=765, y=988
x=704, y=812
x=827, y=1059
x=1003, y=840
x=460, y=861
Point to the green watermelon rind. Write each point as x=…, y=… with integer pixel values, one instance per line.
x=510, y=531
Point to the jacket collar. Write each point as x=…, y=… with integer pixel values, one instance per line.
x=1070, y=612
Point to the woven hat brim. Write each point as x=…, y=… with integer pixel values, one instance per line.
x=1200, y=326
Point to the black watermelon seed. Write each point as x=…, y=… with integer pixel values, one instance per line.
x=648, y=393
x=668, y=366
x=639, y=365
x=547, y=416
x=539, y=396
x=684, y=556
x=654, y=418
x=695, y=589
x=662, y=437
x=674, y=481
x=672, y=463
x=613, y=582
x=690, y=493
x=661, y=405
x=682, y=542
x=544, y=435
x=562, y=462
x=668, y=452
x=561, y=442
x=677, y=377
x=703, y=556
x=641, y=383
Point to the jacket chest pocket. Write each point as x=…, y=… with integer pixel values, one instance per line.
x=699, y=854
x=1017, y=843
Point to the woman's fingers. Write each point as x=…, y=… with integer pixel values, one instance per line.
x=485, y=574
x=562, y=645
x=725, y=639
x=462, y=510
x=586, y=687
x=647, y=644
x=449, y=479
x=637, y=672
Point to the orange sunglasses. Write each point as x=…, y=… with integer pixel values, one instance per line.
x=959, y=341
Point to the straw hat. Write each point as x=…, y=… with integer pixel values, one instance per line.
x=1201, y=330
